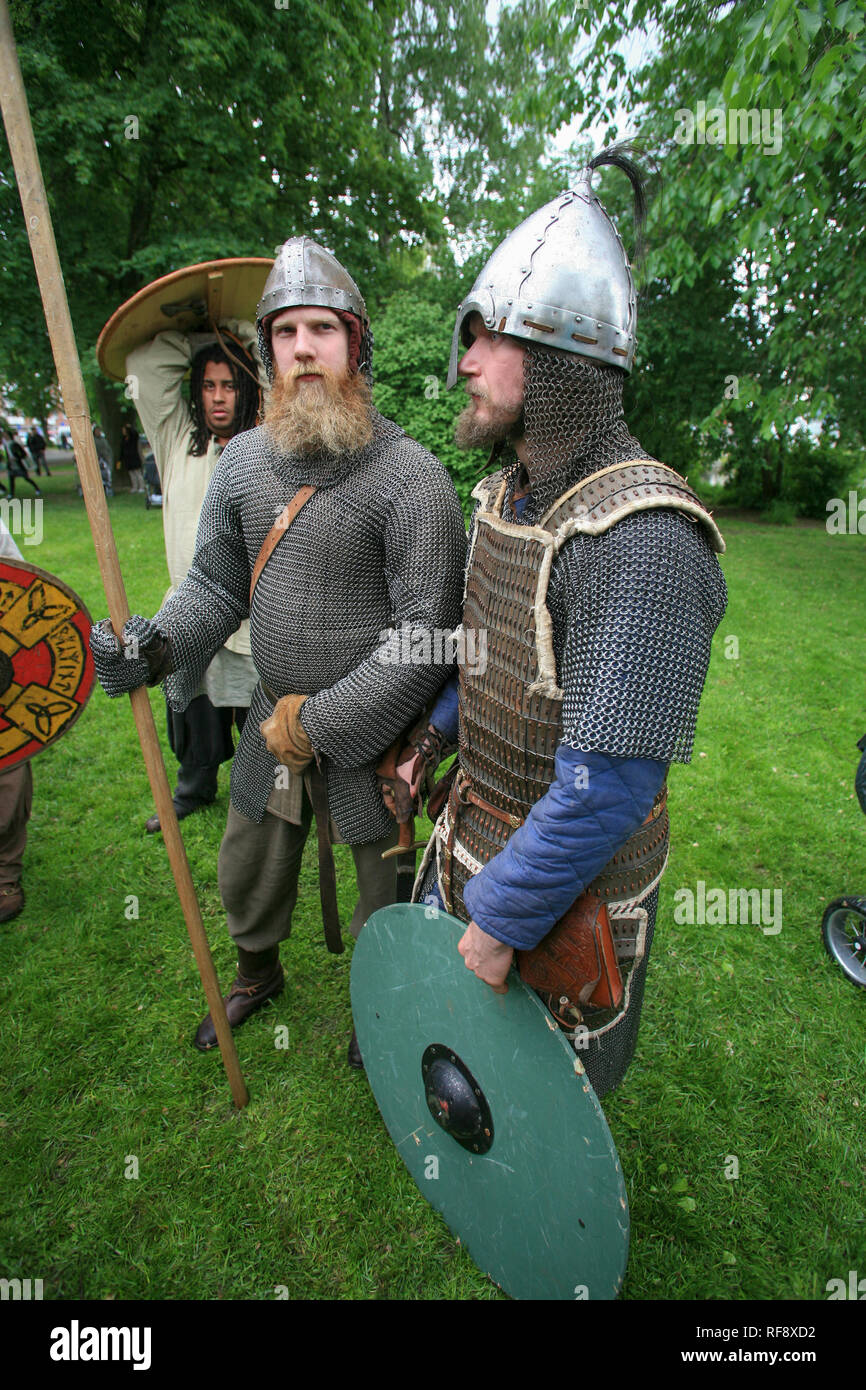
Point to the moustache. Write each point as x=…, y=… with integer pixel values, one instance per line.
x=300, y=371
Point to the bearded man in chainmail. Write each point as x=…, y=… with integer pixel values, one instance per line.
x=593, y=574
x=331, y=529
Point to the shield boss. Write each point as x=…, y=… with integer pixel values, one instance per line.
x=490, y=1111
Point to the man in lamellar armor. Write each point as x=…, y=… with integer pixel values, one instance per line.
x=593, y=576
x=331, y=530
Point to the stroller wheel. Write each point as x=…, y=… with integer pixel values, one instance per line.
x=844, y=933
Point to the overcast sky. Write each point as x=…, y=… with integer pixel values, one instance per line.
x=634, y=49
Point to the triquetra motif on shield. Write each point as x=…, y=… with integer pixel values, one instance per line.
x=46, y=669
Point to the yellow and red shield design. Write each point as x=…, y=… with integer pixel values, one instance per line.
x=46, y=669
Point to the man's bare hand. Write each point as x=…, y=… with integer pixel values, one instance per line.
x=488, y=958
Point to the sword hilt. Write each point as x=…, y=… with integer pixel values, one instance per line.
x=406, y=841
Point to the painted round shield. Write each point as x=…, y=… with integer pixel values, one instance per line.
x=46, y=668
x=186, y=300
x=490, y=1110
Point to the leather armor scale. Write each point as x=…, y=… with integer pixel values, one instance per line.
x=511, y=712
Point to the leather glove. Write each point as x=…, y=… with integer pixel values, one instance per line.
x=286, y=736
x=406, y=771
x=142, y=658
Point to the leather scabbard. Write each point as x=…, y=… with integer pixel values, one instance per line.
x=577, y=958
x=327, y=870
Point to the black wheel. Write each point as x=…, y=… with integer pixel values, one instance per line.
x=844, y=933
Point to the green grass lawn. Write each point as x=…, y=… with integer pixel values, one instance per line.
x=752, y=1045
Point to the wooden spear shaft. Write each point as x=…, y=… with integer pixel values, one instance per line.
x=19, y=132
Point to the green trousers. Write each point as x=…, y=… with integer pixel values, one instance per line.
x=259, y=865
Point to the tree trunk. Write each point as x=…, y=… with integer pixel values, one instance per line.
x=110, y=414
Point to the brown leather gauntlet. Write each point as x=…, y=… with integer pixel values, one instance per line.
x=286, y=736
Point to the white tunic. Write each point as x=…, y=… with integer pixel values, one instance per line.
x=157, y=370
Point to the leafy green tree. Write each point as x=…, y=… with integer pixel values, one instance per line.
x=171, y=133
x=413, y=343
x=764, y=193
x=181, y=134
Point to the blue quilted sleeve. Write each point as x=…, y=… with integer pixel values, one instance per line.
x=445, y=715
x=587, y=814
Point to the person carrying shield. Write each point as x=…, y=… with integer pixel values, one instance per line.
x=188, y=438
x=592, y=573
x=332, y=530
x=16, y=801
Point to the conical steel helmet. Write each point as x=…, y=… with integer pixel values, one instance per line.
x=561, y=278
x=305, y=273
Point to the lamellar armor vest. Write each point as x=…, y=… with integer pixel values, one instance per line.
x=511, y=706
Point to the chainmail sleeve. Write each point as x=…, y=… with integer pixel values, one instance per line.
x=212, y=601
x=634, y=611
x=424, y=550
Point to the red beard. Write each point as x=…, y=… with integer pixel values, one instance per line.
x=332, y=415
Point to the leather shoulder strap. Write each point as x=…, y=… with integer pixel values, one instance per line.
x=486, y=491
x=604, y=498
x=278, y=530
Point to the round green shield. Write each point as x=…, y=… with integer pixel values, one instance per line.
x=518, y=1159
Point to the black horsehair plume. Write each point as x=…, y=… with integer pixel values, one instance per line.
x=621, y=157
x=242, y=368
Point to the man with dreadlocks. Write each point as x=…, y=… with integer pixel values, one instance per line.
x=592, y=571
x=376, y=546
x=187, y=440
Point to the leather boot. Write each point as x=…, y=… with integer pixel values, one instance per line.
x=246, y=995
x=181, y=810
x=11, y=901
x=353, y=1057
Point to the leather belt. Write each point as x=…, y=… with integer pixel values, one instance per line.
x=465, y=793
x=327, y=868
